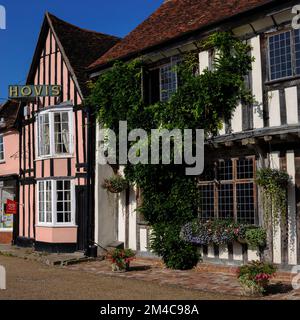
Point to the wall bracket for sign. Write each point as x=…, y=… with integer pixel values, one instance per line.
x=30, y=92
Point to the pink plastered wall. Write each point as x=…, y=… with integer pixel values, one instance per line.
x=10, y=165
x=56, y=235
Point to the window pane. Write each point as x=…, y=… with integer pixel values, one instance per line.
x=207, y=202
x=45, y=201
x=245, y=203
x=60, y=217
x=59, y=185
x=68, y=217
x=44, y=135
x=280, y=56
x=297, y=50
x=63, y=205
x=226, y=201
x=60, y=207
x=61, y=133
x=168, y=80
x=245, y=169
x=225, y=170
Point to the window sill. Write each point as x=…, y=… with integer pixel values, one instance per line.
x=272, y=82
x=2, y=161
x=55, y=157
x=56, y=226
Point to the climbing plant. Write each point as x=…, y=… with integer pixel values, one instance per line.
x=202, y=101
x=274, y=185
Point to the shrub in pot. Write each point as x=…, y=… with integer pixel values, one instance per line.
x=120, y=259
x=255, y=277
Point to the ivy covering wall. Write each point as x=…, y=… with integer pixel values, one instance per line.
x=202, y=101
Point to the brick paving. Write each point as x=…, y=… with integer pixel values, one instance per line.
x=202, y=278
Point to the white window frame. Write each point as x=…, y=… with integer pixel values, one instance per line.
x=2, y=160
x=54, y=222
x=52, y=152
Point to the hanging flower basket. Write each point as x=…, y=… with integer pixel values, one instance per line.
x=115, y=184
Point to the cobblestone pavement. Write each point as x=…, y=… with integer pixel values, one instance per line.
x=198, y=279
x=32, y=280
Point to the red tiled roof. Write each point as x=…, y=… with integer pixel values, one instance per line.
x=173, y=19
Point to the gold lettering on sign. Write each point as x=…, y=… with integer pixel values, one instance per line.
x=13, y=91
x=26, y=91
x=56, y=91
x=38, y=90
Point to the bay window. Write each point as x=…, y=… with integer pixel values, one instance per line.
x=54, y=133
x=56, y=203
x=1, y=149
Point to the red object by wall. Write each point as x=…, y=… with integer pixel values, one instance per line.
x=11, y=207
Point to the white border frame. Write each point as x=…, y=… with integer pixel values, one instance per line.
x=52, y=154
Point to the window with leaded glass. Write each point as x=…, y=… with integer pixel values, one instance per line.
x=284, y=54
x=231, y=193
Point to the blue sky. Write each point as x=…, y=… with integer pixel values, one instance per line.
x=24, y=19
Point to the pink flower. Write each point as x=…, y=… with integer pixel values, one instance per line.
x=262, y=277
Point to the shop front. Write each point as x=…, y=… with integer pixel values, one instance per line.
x=8, y=209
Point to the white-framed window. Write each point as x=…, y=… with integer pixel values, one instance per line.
x=168, y=79
x=54, y=133
x=56, y=206
x=1, y=148
x=284, y=54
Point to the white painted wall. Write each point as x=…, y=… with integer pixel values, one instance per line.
x=237, y=119
x=203, y=61
x=258, y=120
x=143, y=240
x=291, y=105
x=274, y=108
x=105, y=204
x=132, y=219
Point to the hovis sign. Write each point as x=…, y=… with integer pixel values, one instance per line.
x=31, y=91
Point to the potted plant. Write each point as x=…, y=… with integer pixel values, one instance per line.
x=255, y=277
x=120, y=259
x=115, y=184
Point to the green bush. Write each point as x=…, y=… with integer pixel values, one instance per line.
x=255, y=268
x=176, y=253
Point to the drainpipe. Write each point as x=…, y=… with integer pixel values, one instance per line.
x=91, y=249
